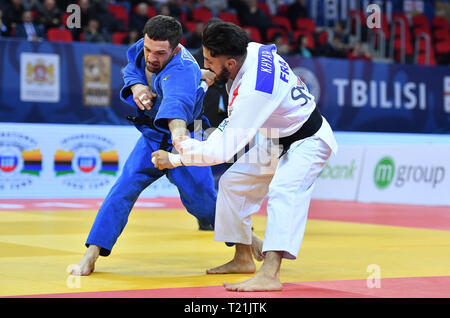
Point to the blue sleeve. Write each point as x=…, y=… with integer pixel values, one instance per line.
x=132, y=74
x=179, y=90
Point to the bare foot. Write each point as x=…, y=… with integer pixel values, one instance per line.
x=259, y=282
x=267, y=279
x=233, y=267
x=257, y=244
x=242, y=263
x=87, y=265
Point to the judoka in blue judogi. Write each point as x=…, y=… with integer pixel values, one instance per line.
x=179, y=95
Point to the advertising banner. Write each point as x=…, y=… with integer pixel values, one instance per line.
x=409, y=174
x=97, y=80
x=353, y=95
x=378, y=97
x=339, y=180
x=39, y=77
x=67, y=161
x=62, y=83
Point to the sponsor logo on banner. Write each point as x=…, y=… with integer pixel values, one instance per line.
x=39, y=77
x=96, y=80
x=311, y=81
x=86, y=161
x=339, y=172
x=416, y=174
x=340, y=177
x=447, y=94
x=386, y=174
x=20, y=161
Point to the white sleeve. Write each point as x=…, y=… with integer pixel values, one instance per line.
x=250, y=111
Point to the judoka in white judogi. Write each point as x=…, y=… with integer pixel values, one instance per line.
x=267, y=101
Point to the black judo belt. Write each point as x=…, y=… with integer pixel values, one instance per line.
x=309, y=128
x=148, y=121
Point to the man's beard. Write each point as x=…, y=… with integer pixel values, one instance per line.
x=223, y=77
x=159, y=69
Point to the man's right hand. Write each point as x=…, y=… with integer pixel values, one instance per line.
x=142, y=96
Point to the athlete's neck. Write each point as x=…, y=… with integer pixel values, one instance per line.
x=239, y=63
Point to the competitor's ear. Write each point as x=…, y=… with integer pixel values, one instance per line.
x=176, y=50
x=230, y=63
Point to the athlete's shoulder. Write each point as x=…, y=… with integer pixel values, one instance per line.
x=262, y=71
x=187, y=57
x=183, y=65
x=135, y=48
x=135, y=53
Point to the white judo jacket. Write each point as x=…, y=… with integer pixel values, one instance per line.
x=266, y=97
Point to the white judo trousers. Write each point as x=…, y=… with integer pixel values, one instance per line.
x=289, y=183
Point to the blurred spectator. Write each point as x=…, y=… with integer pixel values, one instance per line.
x=297, y=10
x=49, y=15
x=28, y=29
x=93, y=33
x=30, y=5
x=442, y=9
x=340, y=34
x=140, y=18
x=132, y=37
x=13, y=14
x=135, y=2
x=250, y=14
x=63, y=4
x=337, y=45
x=159, y=2
x=4, y=31
x=282, y=48
x=216, y=6
x=108, y=22
x=173, y=10
x=301, y=49
x=333, y=48
x=240, y=7
x=86, y=15
x=194, y=40
x=164, y=10
x=256, y=17
x=359, y=52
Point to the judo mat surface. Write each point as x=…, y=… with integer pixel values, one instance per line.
x=350, y=250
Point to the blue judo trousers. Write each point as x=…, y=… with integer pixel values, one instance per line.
x=179, y=95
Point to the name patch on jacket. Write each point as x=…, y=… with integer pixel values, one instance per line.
x=266, y=70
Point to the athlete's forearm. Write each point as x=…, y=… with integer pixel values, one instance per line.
x=177, y=128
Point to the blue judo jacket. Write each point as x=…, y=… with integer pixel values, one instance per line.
x=178, y=88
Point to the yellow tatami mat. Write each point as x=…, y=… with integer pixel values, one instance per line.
x=165, y=249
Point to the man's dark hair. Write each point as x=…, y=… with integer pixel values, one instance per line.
x=164, y=28
x=225, y=39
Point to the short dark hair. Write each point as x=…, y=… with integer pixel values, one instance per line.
x=225, y=39
x=164, y=28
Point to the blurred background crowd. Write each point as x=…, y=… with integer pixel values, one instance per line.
x=421, y=38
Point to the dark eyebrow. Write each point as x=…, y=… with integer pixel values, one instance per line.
x=163, y=50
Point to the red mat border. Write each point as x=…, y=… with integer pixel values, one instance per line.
x=405, y=287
